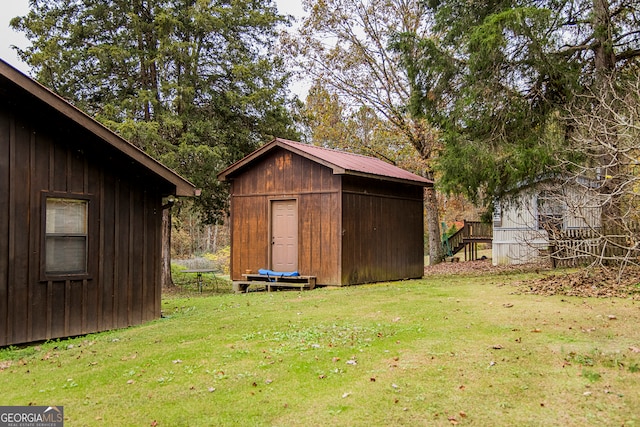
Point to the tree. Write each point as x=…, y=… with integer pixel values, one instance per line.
x=332, y=124
x=345, y=45
x=607, y=131
x=523, y=90
x=501, y=77
x=324, y=118
x=194, y=83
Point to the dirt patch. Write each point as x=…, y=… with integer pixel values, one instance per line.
x=592, y=282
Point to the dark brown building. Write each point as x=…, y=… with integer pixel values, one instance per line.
x=80, y=219
x=344, y=218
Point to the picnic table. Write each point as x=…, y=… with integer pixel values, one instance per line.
x=199, y=272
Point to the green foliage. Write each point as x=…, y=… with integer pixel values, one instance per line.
x=499, y=78
x=332, y=124
x=195, y=84
x=221, y=259
x=452, y=230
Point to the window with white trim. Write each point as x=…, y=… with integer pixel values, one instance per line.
x=66, y=236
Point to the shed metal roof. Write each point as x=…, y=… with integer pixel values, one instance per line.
x=46, y=96
x=342, y=163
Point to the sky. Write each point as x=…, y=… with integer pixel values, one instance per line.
x=12, y=8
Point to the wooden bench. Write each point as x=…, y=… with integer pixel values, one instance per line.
x=274, y=281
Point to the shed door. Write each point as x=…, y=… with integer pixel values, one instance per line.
x=284, y=235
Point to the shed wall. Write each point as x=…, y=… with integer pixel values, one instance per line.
x=383, y=231
x=123, y=287
x=282, y=175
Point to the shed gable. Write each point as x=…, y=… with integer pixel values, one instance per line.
x=281, y=172
x=340, y=162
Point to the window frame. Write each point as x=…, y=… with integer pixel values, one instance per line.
x=551, y=212
x=90, y=233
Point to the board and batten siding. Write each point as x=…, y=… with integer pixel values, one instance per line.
x=282, y=175
x=383, y=231
x=360, y=219
x=122, y=287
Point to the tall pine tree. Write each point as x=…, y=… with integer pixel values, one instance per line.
x=195, y=83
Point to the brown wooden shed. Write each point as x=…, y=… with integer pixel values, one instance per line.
x=344, y=218
x=80, y=219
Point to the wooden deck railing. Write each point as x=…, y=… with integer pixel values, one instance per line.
x=472, y=231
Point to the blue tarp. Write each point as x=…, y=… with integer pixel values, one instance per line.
x=278, y=273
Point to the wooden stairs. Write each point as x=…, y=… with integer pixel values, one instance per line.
x=467, y=238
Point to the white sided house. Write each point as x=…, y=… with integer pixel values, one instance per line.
x=552, y=218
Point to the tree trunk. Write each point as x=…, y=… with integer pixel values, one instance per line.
x=167, y=280
x=215, y=238
x=605, y=62
x=436, y=251
x=424, y=139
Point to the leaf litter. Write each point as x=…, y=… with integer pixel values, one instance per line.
x=597, y=282
x=594, y=283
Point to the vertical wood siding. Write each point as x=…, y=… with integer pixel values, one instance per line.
x=351, y=230
x=279, y=176
x=383, y=231
x=6, y=132
x=125, y=232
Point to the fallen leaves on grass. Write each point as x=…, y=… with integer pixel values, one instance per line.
x=478, y=267
x=596, y=283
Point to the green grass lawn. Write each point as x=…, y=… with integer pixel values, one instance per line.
x=443, y=351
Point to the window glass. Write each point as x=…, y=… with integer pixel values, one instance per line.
x=66, y=236
x=551, y=211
